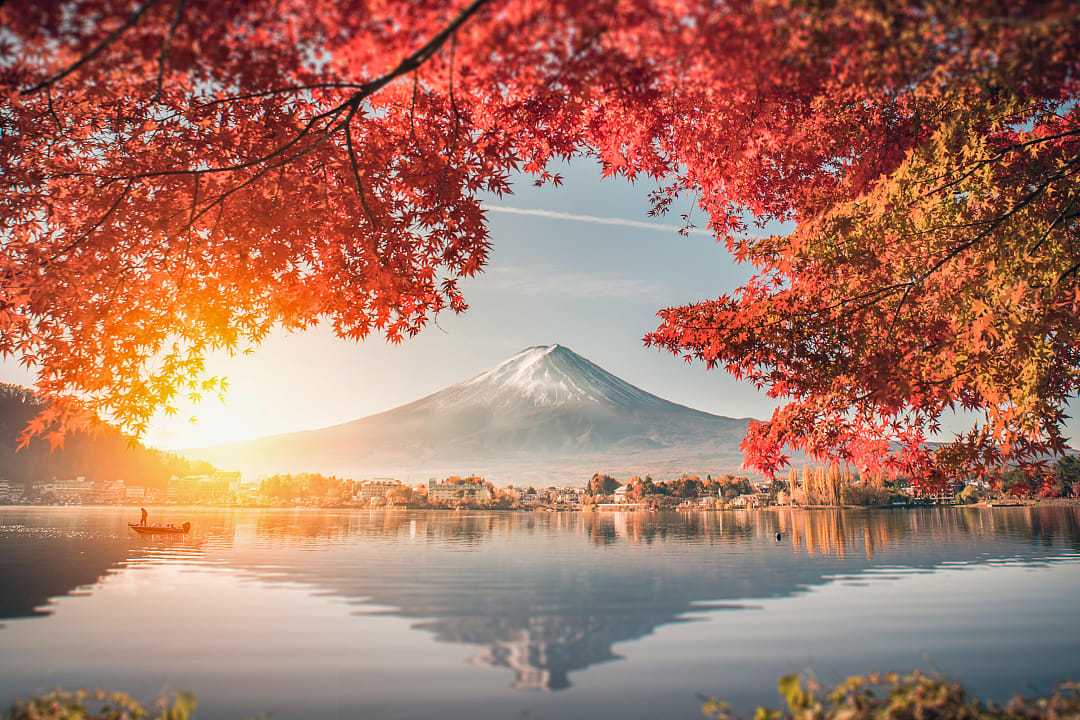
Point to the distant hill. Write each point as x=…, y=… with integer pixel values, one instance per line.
x=100, y=456
x=544, y=415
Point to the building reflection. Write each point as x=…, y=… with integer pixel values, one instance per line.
x=838, y=532
x=542, y=595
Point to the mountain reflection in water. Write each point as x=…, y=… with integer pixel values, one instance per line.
x=543, y=595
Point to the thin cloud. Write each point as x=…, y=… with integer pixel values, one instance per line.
x=594, y=219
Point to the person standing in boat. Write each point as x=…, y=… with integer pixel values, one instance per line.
x=142, y=520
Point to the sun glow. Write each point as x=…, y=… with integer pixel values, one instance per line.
x=247, y=409
x=210, y=422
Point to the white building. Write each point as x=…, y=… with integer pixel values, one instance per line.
x=751, y=501
x=569, y=496
x=77, y=490
x=10, y=493
x=467, y=491
x=376, y=488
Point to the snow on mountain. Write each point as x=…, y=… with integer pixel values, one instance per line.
x=547, y=376
x=546, y=412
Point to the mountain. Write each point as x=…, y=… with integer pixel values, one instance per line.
x=102, y=455
x=546, y=414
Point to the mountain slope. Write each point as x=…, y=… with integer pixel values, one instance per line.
x=545, y=410
x=103, y=455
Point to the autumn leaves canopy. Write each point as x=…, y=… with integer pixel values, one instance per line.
x=183, y=175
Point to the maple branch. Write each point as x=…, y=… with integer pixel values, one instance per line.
x=243, y=165
x=221, y=197
x=873, y=295
x=862, y=398
x=878, y=295
x=1063, y=216
x=976, y=164
x=407, y=65
x=356, y=169
x=52, y=110
x=422, y=55
x=1069, y=272
x=187, y=245
x=453, y=98
x=329, y=85
x=933, y=229
x=219, y=200
x=93, y=228
x=166, y=45
x=964, y=246
x=95, y=51
x=412, y=111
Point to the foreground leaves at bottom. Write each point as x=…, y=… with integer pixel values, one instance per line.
x=893, y=696
x=888, y=696
x=100, y=705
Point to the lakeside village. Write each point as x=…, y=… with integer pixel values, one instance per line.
x=831, y=486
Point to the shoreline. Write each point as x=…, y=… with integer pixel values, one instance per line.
x=1044, y=502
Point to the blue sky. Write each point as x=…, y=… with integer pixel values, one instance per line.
x=592, y=286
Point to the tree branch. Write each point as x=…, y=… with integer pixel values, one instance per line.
x=407, y=65
x=976, y=164
x=95, y=51
x=166, y=45
x=93, y=228
x=356, y=170
x=967, y=244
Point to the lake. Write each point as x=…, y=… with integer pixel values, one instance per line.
x=417, y=614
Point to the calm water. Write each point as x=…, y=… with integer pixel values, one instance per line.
x=498, y=615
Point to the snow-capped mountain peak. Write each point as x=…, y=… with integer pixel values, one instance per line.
x=548, y=376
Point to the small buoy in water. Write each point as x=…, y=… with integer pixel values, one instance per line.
x=779, y=537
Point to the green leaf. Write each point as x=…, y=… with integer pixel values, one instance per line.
x=791, y=689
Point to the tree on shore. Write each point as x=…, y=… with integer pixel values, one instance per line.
x=307, y=486
x=731, y=486
x=182, y=176
x=1067, y=476
x=600, y=485
x=684, y=486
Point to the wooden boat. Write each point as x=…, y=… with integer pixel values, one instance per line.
x=160, y=529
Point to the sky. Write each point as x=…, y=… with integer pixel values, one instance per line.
x=582, y=265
